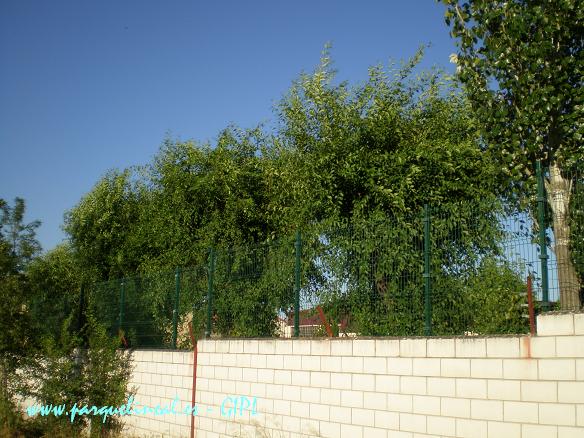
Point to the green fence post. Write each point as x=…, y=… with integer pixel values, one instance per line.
x=427, y=284
x=542, y=238
x=210, y=272
x=122, y=304
x=81, y=309
x=298, y=247
x=176, y=302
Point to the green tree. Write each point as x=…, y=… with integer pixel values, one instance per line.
x=100, y=226
x=55, y=280
x=18, y=245
x=202, y=196
x=19, y=242
x=522, y=64
x=71, y=371
x=39, y=328
x=397, y=141
x=340, y=155
x=369, y=157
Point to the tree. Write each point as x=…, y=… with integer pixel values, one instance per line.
x=369, y=157
x=339, y=155
x=168, y=214
x=71, y=370
x=55, y=280
x=100, y=227
x=397, y=141
x=18, y=245
x=200, y=196
x=522, y=63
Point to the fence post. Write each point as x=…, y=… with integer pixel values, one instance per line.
x=427, y=283
x=80, y=315
x=542, y=238
x=298, y=247
x=122, y=304
x=176, y=302
x=210, y=272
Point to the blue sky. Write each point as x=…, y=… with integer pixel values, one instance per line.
x=90, y=86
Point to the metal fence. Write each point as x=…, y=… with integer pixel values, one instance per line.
x=448, y=269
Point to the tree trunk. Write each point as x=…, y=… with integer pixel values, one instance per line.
x=558, y=194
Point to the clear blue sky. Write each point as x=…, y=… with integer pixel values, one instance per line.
x=86, y=86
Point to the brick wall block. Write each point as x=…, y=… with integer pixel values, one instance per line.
x=557, y=369
x=399, y=403
x=486, y=410
x=543, y=346
x=426, y=367
x=427, y=405
x=471, y=428
x=557, y=414
x=553, y=324
x=520, y=369
x=455, y=407
x=400, y=366
x=579, y=323
x=341, y=347
x=520, y=412
x=413, y=385
x=455, y=367
x=504, y=390
x=412, y=422
x=320, y=348
x=442, y=386
x=486, y=368
x=470, y=347
x=364, y=347
x=570, y=432
x=301, y=346
x=539, y=391
x=442, y=426
x=440, y=347
x=500, y=430
x=387, y=347
x=503, y=347
x=571, y=392
x=352, y=399
x=570, y=346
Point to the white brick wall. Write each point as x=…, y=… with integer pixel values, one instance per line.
x=494, y=387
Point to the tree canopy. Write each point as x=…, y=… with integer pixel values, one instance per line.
x=340, y=155
x=522, y=63
x=400, y=139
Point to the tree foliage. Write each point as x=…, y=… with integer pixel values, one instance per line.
x=69, y=371
x=18, y=246
x=18, y=241
x=522, y=63
x=339, y=156
x=201, y=196
x=100, y=226
x=46, y=350
x=397, y=141
x=55, y=279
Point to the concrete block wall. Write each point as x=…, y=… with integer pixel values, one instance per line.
x=160, y=377
x=487, y=387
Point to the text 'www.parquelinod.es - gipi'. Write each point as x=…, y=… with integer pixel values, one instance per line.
x=231, y=406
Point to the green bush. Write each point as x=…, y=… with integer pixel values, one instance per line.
x=84, y=370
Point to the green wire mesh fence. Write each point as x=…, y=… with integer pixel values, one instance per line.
x=447, y=269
